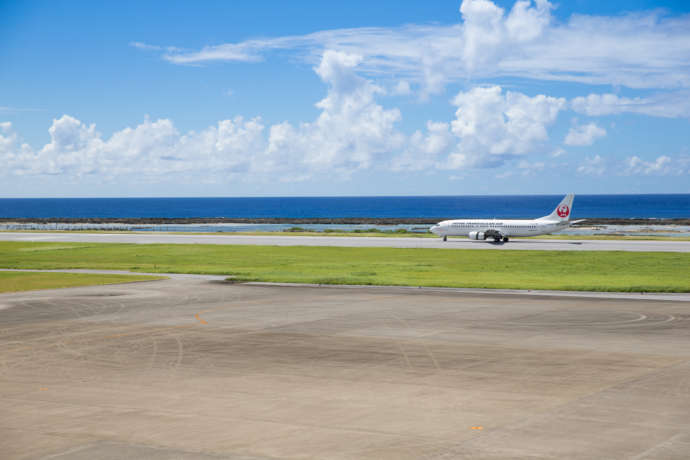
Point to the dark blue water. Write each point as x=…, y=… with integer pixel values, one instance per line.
x=659, y=206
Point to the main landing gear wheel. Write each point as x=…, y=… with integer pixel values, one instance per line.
x=497, y=240
x=445, y=237
x=505, y=239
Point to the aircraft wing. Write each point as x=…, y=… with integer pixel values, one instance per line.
x=577, y=221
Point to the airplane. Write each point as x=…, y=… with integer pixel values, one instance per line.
x=484, y=229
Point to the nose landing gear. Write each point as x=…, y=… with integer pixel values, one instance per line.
x=445, y=237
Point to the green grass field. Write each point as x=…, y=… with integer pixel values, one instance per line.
x=28, y=281
x=566, y=270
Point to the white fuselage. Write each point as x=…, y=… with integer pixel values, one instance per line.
x=506, y=227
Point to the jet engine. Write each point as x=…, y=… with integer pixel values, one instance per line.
x=490, y=233
x=477, y=236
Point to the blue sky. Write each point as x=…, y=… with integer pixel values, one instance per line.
x=343, y=98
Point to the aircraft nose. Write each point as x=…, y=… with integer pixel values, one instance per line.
x=434, y=229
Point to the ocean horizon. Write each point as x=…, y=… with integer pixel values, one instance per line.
x=464, y=206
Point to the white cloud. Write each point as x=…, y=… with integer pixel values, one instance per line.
x=487, y=30
x=350, y=133
x=402, y=88
x=638, y=50
x=425, y=150
x=637, y=166
x=13, y=154
x=8, y=138
x=526, y=23
x=492, y=126
x=592, y=166
x=669, y=105
x=663, y=165
x=582, y=135
x=153, y=148
x=145, y=46
x=351, y=130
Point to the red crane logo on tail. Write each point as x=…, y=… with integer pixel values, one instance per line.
x=563, y=211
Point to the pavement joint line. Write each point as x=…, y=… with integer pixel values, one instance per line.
x=670, y=296
x=88, y=271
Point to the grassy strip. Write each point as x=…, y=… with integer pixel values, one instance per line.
x=563, y=270
x=29, y=281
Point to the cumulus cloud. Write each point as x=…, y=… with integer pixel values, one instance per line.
x=493, y=125
x=153, y=148
x=7, y=136
x=638, y=50
x=490, y=127
x=15, y=156
x=426, y=149
x=669, y=105
x=349, y=134
x=581, y=135
x=636, y=165
x=487, y=30
x=351, y=130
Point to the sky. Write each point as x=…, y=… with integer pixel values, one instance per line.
x=313, y=98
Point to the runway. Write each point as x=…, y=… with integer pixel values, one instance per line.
x=194, y=368
x=273, y=240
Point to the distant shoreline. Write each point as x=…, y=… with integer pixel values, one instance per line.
x=332, y=221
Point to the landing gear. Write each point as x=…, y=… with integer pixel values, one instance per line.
x=445, y=237
x=505, y=239
x=497, y=240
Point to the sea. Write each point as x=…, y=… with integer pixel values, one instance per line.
x=507, y=206
x=656, y=206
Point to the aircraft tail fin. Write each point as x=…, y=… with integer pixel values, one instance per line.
x=563, y=210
